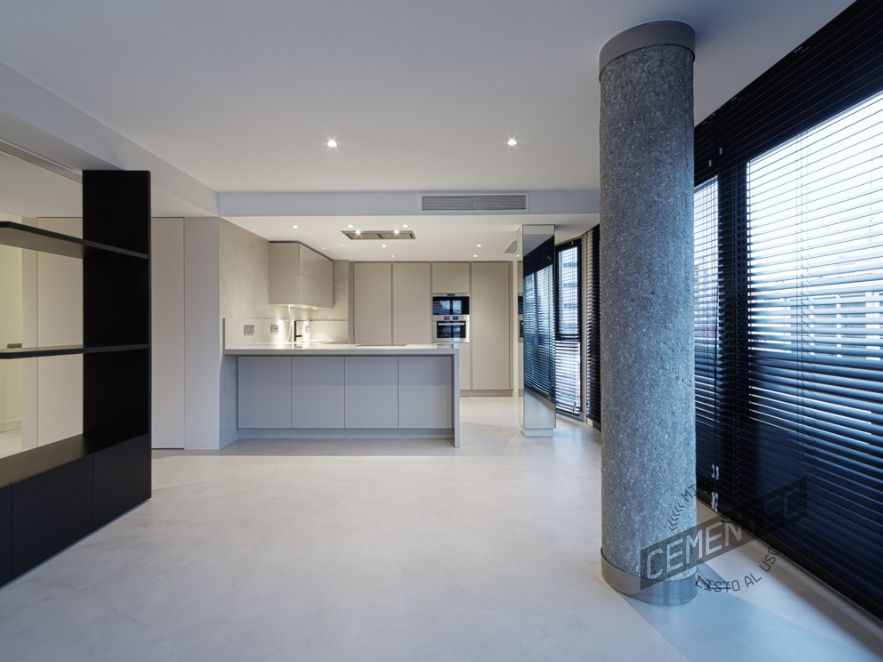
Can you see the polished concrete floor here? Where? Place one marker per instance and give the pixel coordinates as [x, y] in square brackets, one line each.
[396, 550]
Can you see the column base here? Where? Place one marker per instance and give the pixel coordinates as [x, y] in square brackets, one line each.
[670, 592]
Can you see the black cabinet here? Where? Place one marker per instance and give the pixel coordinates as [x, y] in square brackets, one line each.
[49, 512]
[5, 535]
[53, 495]
[122, 478]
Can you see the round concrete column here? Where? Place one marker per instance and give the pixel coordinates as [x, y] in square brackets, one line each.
[647, 410]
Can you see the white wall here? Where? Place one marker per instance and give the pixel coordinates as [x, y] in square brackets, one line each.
[167, 332]
[202, 333]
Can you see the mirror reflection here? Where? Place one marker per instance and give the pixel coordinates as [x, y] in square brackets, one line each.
[41, 305]
[536, 310]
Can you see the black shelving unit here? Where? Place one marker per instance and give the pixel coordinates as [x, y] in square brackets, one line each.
[53, 495]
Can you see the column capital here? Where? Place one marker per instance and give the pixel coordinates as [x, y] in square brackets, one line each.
[657, 33]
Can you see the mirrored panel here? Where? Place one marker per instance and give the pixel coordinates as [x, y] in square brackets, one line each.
[41, 307]
[536, 312]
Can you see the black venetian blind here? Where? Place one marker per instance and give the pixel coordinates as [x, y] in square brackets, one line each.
[592, 322]
[568, 340]
[539, 331]
[789, 300]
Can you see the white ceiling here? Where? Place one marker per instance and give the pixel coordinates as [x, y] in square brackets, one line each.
[436, 237]
[421, 94]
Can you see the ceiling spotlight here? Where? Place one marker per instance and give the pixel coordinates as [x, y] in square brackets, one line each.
[478, 245]
[396, 232]
[350, 226]
[383, 245]
[392, 255]
[405, 225]
[511, 142]
[331, 143]
[294, 227]
[357, 232]
[474, 256]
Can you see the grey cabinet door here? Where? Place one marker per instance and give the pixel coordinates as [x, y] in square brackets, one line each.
[372, 303]
[425, 391]
[450, 277]
[318, 391]
[411, 303]
[490, 326]
[264, 392]
[372, 392]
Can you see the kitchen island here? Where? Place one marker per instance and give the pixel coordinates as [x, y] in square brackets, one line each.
[319, 390]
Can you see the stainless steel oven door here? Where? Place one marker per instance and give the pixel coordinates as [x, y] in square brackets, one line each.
[451, 331]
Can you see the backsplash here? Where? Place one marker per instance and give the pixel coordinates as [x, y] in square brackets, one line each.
[265, 330]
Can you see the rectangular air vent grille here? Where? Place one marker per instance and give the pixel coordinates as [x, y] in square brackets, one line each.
[385, 235]
[475, 203]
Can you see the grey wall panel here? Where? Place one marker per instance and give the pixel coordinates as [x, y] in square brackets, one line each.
[372, 392]
[318, 391]
[264, 392]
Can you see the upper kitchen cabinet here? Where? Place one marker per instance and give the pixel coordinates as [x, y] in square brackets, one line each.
[299, 276]
[450, 277]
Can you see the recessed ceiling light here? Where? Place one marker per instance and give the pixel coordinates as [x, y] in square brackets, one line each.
[357, 232]
[405, 225]
[474, 256]
[383, 245]
[478, 245]
[351, 226]
[294, 227]
[331, 143]
[392, 255]
[512, 142]
[396, 232]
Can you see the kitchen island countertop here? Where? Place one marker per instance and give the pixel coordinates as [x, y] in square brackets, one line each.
[340, 349]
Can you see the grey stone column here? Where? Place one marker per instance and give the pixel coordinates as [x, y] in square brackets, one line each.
[647, 410]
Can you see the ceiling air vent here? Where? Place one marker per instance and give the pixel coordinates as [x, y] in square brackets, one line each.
[384, 235]
[475, 202]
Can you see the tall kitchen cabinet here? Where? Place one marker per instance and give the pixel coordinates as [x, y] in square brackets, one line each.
[490, 330]
[453, 277]
[411, 303]
[372, 303]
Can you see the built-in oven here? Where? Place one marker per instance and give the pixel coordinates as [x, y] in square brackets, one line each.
[450, 317]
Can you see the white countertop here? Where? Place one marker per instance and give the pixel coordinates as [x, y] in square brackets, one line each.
[331, 349]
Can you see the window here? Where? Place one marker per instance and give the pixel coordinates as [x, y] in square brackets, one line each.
[705, 319]
[815, 288]
[568, 350]
[788, 229]
[538, 331]
[592, 317]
